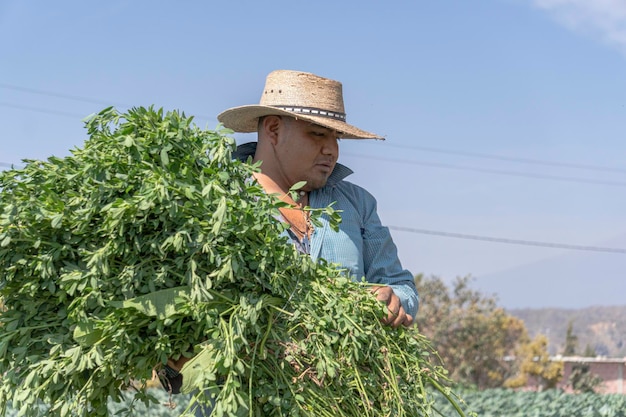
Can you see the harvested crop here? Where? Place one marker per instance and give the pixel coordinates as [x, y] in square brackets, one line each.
[150, 242]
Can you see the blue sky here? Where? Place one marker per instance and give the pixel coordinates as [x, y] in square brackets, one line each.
[463, 92]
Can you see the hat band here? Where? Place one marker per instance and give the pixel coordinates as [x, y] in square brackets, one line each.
[314, 112]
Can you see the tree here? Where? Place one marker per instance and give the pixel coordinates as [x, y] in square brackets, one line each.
[571, 340]
[589, 352]
[582, 380]
[474, 337]
[536, 366]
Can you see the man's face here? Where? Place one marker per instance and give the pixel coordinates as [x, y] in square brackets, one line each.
[306, 152]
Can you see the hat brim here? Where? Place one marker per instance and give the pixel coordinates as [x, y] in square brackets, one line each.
[244, 119]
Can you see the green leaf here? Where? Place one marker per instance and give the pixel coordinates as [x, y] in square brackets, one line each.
[219, 216]
[56, 220]
[199, 368]
[86, 334]
[165, 160]
[161, 304]
[297, 186]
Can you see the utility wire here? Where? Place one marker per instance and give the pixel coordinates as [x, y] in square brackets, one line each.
[59, 95]
[414, 147]
[68, 97]
[508, 241]
[508, 158]
[41, 110]
[489, 171]
[404, 161]
[490, 239]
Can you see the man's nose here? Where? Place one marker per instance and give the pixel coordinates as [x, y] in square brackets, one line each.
[331, 146]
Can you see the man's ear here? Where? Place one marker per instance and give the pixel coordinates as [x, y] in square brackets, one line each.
[270, 126]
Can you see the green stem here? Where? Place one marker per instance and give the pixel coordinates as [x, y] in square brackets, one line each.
[442, 390]
[361, 387]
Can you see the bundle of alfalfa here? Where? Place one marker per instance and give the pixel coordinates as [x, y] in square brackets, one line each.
[150, 242]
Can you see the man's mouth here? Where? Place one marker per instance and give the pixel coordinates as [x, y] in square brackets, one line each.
[325, 166]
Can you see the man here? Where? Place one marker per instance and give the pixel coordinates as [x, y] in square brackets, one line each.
[299, 120]
[298, 123]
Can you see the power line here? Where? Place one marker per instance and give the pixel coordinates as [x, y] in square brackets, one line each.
[508, 240]
[42, 110]
[487, 238]
[510, 159]
[414, 147]
[67, 97]
[58, 95]
[490, 171]
[420, 148]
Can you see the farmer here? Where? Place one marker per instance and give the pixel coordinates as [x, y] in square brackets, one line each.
[299, 121]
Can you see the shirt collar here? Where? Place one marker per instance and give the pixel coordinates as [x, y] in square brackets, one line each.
[246, 150]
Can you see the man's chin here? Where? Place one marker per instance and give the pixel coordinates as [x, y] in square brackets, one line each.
[312, 185]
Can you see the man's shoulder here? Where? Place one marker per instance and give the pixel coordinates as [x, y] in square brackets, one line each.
[353, 191]
[347, 185]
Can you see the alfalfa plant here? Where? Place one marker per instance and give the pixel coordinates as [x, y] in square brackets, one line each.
[150, 242]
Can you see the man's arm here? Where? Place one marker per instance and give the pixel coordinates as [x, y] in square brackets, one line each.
[382, 266]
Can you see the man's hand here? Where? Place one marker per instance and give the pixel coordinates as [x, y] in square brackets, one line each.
[396, 316]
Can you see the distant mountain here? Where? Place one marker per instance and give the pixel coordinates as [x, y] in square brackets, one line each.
[574, 280]
[602, 328]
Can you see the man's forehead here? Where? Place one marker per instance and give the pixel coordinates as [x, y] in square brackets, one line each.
[316, 126]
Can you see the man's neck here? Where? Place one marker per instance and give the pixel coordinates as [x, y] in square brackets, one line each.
[269, 185]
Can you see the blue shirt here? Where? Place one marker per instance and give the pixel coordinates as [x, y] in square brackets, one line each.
[362, 245]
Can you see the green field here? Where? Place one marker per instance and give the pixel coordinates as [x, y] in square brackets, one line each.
[489, 403]
[551, 403]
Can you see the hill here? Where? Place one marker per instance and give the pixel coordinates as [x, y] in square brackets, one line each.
[602, 328]
[573, 280]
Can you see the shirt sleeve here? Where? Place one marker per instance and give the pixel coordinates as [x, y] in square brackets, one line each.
[380, 258]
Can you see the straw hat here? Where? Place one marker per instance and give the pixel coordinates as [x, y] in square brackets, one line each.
[297, 94]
